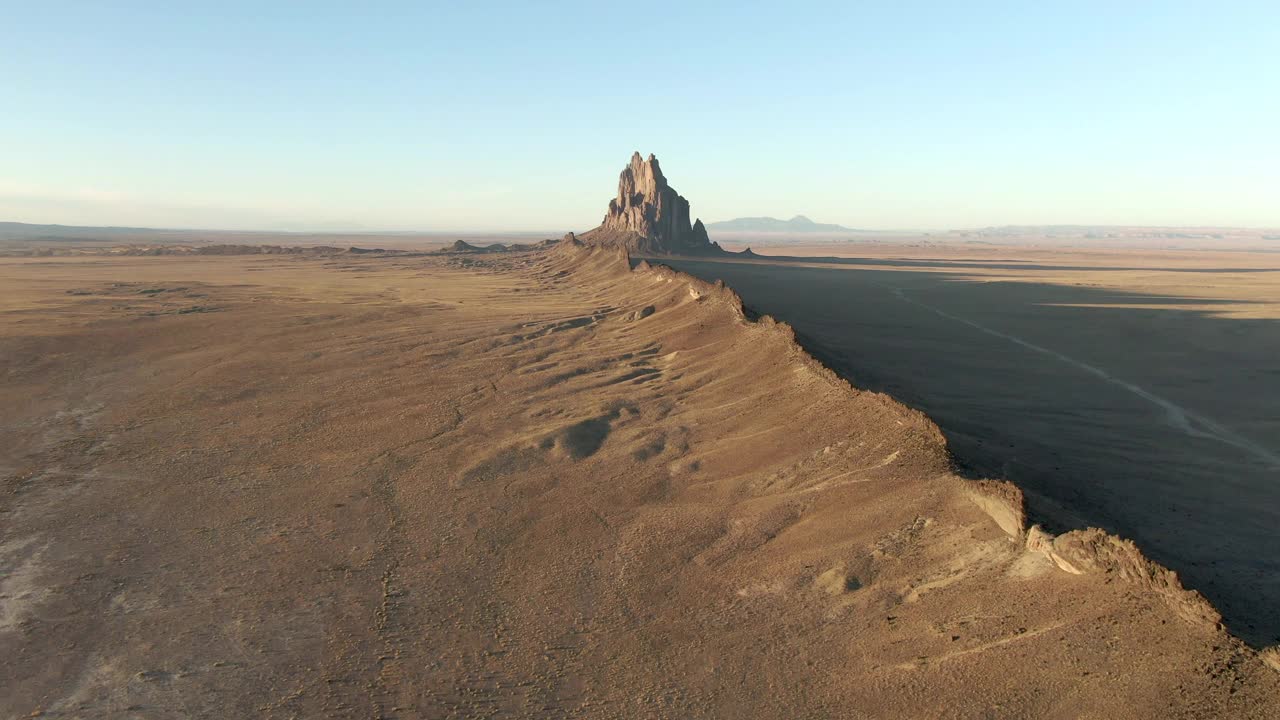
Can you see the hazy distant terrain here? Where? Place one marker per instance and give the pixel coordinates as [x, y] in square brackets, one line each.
[1069, 236]
[23, 237]
[733, 234]
[797, 224]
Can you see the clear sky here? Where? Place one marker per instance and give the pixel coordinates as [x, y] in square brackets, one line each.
[519, 115]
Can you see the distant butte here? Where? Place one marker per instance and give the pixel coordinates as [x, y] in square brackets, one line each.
[648, 217]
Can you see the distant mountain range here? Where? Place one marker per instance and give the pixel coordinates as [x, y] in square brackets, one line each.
[28, 231]
[797, 224]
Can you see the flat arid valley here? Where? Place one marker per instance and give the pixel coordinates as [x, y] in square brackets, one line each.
[560, 480]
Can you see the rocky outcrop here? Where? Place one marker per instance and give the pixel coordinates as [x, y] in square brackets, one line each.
[464, 247]
[1089, 551]
[648, 217]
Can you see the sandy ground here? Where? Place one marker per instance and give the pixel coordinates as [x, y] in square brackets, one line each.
[529, 486]
[1130, 390]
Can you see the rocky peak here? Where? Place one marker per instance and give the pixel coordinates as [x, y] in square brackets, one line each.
[649, 217]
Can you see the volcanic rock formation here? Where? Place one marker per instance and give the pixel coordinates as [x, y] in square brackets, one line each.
[648, 217]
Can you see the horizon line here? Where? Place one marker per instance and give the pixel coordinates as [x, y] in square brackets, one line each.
[482, 231]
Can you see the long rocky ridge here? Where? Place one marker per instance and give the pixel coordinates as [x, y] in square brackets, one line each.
[1088, 551]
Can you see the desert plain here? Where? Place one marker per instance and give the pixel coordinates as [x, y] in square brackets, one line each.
[537, 484]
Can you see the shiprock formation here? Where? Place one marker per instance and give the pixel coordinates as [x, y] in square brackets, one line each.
[648, 217]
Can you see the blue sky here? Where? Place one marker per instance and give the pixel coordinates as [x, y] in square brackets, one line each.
[506, 116]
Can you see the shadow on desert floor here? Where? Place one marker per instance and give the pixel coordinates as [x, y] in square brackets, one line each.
[1135, 413]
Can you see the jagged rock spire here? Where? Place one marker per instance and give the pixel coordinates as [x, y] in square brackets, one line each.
[649, 217]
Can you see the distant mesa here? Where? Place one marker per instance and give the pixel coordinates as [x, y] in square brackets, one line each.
[462, 246]
[648, 217]
[797, 224]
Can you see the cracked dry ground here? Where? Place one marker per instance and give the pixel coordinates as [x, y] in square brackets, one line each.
[502, 487]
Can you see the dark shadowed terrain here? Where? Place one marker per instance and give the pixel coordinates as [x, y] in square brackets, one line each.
[1132, 394]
